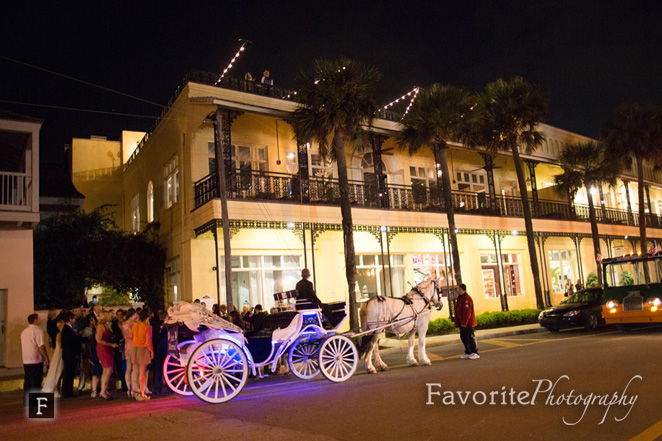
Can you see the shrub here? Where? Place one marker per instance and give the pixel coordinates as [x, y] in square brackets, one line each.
[592, 280]
[441, 326]
[488, 320]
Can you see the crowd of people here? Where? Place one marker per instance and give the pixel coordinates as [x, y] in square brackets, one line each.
[95, 346]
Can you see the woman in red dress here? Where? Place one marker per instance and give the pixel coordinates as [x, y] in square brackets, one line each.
[105, 351]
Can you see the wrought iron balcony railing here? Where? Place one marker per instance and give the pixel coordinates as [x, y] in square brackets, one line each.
[251, 185]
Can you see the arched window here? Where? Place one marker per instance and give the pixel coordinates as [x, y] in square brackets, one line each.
[150, 202]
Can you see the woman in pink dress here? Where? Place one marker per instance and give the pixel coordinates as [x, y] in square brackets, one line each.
[105, 351]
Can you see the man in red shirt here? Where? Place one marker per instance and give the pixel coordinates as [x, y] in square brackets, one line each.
[465, 319]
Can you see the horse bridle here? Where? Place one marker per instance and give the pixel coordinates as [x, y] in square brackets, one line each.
[427, 302]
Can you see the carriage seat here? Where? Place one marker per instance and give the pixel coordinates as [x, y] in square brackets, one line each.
[276, 327]
[303, 304]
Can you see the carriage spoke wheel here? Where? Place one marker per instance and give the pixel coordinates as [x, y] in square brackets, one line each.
[338, 358]
[303, 358]
[217, 371]
[175, 375]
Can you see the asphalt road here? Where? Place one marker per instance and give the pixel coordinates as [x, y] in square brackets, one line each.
[483, 399]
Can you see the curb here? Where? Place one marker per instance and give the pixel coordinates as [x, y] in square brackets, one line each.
[456, 339]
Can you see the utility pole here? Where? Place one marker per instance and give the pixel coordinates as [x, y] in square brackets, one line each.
[217, 118]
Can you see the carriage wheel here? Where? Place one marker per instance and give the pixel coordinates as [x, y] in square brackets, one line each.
[175, 375]
[338, 358]
[217, 371]
[304, 358]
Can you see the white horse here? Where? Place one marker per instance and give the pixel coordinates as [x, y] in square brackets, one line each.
[409, 314]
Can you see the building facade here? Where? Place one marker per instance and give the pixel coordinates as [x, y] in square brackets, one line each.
[284, 213]
[19, 214]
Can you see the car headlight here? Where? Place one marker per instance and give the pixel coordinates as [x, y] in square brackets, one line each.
[572, 313]
[612, 304]
[541, 315]
[654, 301]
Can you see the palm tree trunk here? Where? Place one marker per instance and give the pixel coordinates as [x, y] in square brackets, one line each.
[594, 231]
[535, 270]
[347, 226]
[642, 214]
[450, 211]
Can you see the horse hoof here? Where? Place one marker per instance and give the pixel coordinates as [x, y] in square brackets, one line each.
[383, 368]
[427, 363]
[371, 370]
[413, 363]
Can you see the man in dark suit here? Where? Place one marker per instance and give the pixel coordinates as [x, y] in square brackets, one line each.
[71, 349]
[257, 318]
[307, 292]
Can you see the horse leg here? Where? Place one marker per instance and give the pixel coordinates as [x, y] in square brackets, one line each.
[422, 356]
[378, 359]
[410, 354]
[368, 355]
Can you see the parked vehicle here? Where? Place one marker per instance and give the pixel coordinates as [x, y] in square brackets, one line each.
[584, 308]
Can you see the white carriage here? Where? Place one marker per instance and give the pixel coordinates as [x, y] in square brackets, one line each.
[212, 358]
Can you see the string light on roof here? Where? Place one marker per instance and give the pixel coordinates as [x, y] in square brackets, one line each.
[416, 89]
[412, 93]
[241, 49]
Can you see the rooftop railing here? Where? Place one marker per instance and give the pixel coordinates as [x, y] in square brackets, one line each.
[270, 186]
[232, 83]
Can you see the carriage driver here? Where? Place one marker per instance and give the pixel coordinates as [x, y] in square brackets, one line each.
[306, 291]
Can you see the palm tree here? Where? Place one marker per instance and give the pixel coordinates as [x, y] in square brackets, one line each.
[637, 136]
[588, 164]
[336, 104]
[441, 114]
[511, 111]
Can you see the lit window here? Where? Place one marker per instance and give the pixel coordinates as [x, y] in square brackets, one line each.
[150, 202]
[135, 214]
[171, 182]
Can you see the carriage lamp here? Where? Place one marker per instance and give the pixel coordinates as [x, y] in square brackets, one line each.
[612, 304]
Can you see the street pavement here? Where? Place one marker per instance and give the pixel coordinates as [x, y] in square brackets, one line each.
[391, 405]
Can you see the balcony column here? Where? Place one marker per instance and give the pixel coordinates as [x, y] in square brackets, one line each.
[602, 203]
[653, 219]
[376, 142]
[534, 186]
[440, 181]
[627, 197]
[304, 170]
[489, 168]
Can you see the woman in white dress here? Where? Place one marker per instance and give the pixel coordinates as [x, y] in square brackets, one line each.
[56, 365]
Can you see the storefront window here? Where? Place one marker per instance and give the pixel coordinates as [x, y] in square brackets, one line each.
[432, 266]
[512, 278]
[370, 280]
[562, 267]
[255, 279]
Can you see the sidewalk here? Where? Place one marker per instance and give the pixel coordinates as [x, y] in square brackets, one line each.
[12, 379]
[394, 345]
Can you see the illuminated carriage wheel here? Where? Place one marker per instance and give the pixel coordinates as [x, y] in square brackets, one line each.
[175, 375]
[338, 358]
[217, 371]
[303, 358]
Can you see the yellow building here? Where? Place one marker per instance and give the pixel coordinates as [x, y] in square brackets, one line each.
[19, 214]
[284, 213]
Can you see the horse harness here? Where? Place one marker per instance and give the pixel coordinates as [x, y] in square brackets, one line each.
[406, 301]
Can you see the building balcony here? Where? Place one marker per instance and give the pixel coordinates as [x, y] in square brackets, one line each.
[261, 186]
[15, 191]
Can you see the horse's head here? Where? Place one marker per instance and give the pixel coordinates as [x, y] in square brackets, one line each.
[430, 291]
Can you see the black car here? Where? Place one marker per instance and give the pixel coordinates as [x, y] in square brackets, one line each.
[584, 308]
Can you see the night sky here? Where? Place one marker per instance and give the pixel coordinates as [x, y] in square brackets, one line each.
[591, 56]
